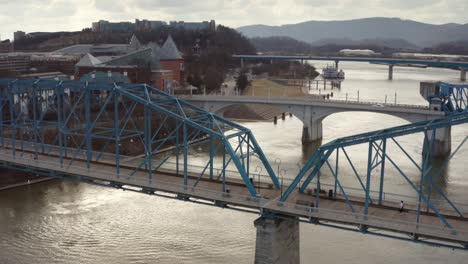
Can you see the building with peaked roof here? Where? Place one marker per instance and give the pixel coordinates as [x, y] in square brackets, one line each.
[171, 59]
[158, 66]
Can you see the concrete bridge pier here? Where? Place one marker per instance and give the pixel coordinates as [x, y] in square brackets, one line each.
[337, 62]
[277, 240]
[390, 72]
[242, 63]
[312, 127]
[463, 74]
[442, 146]
[312, 132]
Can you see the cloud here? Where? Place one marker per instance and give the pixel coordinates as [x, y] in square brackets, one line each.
[54, 15]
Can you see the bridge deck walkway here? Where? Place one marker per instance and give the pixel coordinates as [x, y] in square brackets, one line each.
[386, 218]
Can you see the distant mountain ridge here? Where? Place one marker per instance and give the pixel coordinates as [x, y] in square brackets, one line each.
[377, 28]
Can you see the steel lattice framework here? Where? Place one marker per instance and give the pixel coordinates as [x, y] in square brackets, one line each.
[454, 97]
[378, 156]
[86, 121]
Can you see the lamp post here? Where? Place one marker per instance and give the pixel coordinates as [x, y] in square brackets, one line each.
[278, 163]
[282, 174]
[259, 169]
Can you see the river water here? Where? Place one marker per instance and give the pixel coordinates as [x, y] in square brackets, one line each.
[65, 222]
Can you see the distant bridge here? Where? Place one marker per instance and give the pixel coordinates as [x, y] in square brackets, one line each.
[90, 126]
[311, 111]
[391, 62]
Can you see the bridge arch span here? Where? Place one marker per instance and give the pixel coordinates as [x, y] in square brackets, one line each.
[221, 109]
[312, 113]
[312, 121]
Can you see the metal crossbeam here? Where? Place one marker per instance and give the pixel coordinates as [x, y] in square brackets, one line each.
[84, 121]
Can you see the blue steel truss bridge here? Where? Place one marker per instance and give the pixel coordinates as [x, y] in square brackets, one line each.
[135, 137]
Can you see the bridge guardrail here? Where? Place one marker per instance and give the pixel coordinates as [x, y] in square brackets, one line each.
[313, 99]
[230, 174]
[252, 202]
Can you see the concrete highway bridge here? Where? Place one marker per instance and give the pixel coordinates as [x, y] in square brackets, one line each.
[462, 66]
[90, 128]
[312, 111]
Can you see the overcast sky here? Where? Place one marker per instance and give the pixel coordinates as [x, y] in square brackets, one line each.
[70, 15]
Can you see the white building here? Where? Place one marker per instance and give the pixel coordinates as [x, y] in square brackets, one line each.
[358, 52]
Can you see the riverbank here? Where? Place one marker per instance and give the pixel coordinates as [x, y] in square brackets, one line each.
[264, 88]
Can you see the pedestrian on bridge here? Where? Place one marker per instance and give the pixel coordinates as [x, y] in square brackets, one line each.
[401, 206]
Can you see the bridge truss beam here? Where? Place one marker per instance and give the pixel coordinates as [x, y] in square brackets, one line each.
[127, 125]
[379, 156]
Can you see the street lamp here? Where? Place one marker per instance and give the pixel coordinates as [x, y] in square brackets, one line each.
[259, 169]
[282, 174]
[278, 162]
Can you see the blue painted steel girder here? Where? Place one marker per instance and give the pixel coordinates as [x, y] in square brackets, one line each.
[82, 114]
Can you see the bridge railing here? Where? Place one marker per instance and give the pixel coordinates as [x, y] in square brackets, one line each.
[257, 178]
[257, 203]
[306, 99]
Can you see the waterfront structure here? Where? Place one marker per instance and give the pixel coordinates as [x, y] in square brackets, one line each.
[15, 62]
[161, 67]
[89, 150]
[358, 52]
[312, 111]
[462, 66]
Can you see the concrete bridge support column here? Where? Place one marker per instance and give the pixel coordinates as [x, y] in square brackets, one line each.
[242, 63]
[337, 62]
[462, 74]
[277, 241]
[442, 146]
[312, 129]
[312, 132]
[390, 72]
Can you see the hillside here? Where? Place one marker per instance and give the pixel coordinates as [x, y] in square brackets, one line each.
[281, 44]
[207, 54]
[420, 34]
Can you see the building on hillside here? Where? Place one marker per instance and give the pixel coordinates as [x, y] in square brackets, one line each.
[6, 46]
[148, 25]
[211, 25]
[106, 26]
[19, 35]
[161, 67]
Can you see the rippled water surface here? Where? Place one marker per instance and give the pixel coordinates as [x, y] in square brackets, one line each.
[65, 222]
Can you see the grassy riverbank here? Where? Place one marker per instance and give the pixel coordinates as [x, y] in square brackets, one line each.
[263, 87]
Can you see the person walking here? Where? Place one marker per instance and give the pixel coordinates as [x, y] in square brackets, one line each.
[401, 206]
